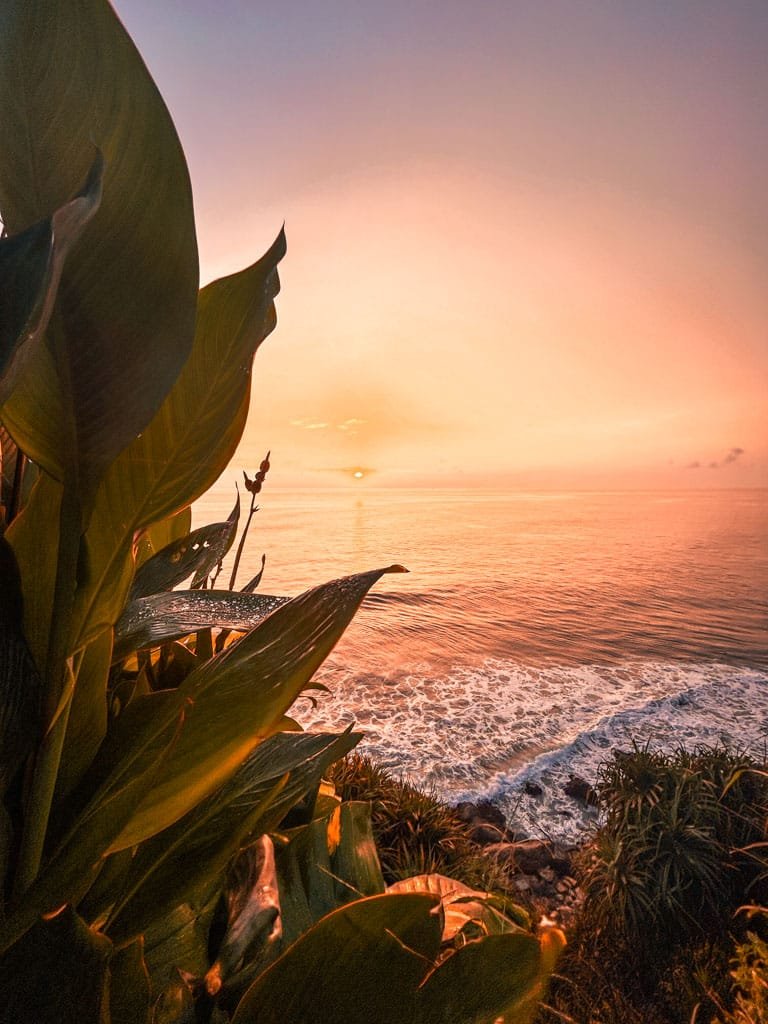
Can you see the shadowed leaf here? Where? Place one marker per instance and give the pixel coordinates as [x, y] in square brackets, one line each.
[363, 962]
[20, 683]
[240, 696]
[180, 863]
[151, 621]
[196, 553]
[129, 991]
[155, 537]
[123, 321]
[41, 984]
[483, 982]
[30, 268]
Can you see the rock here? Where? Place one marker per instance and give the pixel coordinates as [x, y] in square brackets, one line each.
[547, 874]
[532, 788]
[522, 884]
[488, 824]
[531, 854]
[466, 811]
[561, 862]
[484, 835]
[490, 814]
[580, 789]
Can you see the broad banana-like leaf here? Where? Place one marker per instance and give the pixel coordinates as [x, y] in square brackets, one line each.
[192, 438]
[355, 862]
[129, 989]
[178, 865]
[154, 620]
[220, 545]
[37, 561]
[155, 537]
[123, 321]
[363, 962]
[68, 874]
[239, 697]
[196, 553]
[87, 723]
[497, 978]
[330, 861]
[16, 482]
[465, 910]
[180, 941]
[30, 268]
[56, 974]
[20, 682]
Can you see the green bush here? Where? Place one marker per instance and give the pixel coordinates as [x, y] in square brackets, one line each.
[679, 851]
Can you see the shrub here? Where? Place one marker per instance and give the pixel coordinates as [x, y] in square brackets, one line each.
[663, 878]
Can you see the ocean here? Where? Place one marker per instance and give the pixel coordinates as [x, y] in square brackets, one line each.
[534, 633]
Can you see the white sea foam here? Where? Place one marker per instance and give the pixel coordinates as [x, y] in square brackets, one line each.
[484, 731]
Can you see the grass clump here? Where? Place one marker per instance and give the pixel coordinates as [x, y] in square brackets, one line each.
[679, 851]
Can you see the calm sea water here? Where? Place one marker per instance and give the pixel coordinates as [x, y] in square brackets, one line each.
[535, 632]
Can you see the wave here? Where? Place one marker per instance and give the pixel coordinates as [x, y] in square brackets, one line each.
[486, 730]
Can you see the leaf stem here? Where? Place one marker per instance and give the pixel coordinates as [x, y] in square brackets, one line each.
[241, 545]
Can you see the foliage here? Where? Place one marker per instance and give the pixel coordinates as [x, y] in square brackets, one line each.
[416, 833]
[750, 979]
[140, 763]
[680, 848]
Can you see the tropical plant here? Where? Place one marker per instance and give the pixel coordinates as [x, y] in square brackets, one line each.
[681, 845]
[135, 769]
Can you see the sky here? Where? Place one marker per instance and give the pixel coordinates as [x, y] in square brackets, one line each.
[527, 240]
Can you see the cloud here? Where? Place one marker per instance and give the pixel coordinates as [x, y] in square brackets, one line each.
[308, 425]
[350, 426]
[733, 455]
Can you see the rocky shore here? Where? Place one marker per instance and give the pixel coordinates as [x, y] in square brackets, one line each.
[537, 872]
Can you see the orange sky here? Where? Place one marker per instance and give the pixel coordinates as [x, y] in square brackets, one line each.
[527, 242]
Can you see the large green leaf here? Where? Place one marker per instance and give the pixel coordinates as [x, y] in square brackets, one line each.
[178, 864]
[30, 268]
[87, 723]
[468, 912]
[20, 683]
[37, 561]
[484, 982]
[151, 621]
[330, 861]
[198, 553]
[56, 974]
[155, 537]
[189, 442]
[123, 323]
[129, 990]
[363, 962]
[72, 868]
[240, 697]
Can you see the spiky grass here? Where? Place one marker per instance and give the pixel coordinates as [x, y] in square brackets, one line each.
[682, 844]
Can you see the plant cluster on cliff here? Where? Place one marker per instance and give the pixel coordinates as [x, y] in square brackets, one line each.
[168, 849]
[680, 852]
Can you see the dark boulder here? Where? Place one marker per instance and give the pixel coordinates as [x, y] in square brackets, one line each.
[580, 789]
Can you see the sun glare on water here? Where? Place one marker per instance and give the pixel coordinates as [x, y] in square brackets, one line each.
[358, 474]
